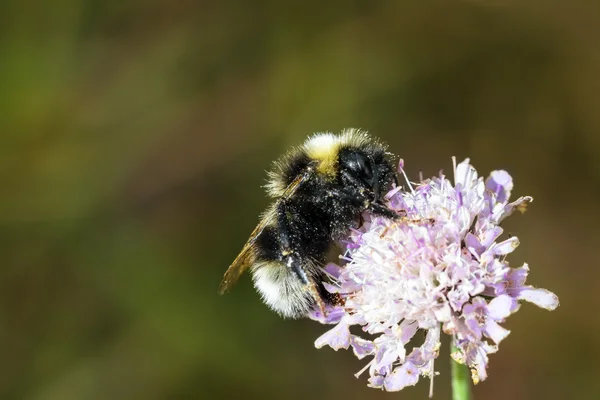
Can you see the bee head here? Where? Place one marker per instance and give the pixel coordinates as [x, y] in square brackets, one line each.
[366, 168]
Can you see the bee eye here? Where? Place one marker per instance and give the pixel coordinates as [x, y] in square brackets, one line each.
[365, 166]
[359, 164]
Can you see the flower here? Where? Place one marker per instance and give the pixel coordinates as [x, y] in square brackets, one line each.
[440, 268]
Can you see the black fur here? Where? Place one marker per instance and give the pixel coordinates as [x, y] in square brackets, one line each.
[294, 166]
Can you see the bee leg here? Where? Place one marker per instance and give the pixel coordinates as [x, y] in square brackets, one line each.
[291, 256]
[356, 198]
[293, 263]
[373, 204]
[360, 185]
[359, 199]
[283, 223]
[312, 288]
[380, 209]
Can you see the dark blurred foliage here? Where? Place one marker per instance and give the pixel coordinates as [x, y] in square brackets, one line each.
[134, 139]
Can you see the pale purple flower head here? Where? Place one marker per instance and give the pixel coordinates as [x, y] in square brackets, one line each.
[441, 267]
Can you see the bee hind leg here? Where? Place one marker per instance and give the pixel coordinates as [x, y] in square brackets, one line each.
[312, 288]
[291, 257]
[294, 264]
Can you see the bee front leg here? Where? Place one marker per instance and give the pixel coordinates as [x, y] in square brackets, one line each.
[380, 209]
[358, 198]
[354, 181]
[354, 197]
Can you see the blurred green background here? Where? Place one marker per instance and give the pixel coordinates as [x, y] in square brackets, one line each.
[134, 139]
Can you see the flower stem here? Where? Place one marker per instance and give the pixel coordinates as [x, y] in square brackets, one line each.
[461, 388]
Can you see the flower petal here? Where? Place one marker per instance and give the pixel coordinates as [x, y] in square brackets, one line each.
[501, 184]
[332, 288]
[495, 331]
[505, 247]
[490, 235]
[333, 269]
[540, 297]
[502, 306]
[465, 174]
[431, 346]
[473, 244]
[407, 330]
[474, 328]
[336, 338]
[519, 204]
[333, 315]
[405, 375]
[376, 381]
[361, 347]
[443, 313]
[385, 357]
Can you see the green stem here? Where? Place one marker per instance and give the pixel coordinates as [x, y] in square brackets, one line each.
[461, 386]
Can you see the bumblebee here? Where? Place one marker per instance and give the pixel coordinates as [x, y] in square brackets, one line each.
[320, 191]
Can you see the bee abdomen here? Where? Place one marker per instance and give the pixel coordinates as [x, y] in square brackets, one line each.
[267, 245]
[280, 290]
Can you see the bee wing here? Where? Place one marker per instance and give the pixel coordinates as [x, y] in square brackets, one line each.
[246, 257]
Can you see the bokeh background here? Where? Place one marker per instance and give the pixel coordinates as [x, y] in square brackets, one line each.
[134, 136]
